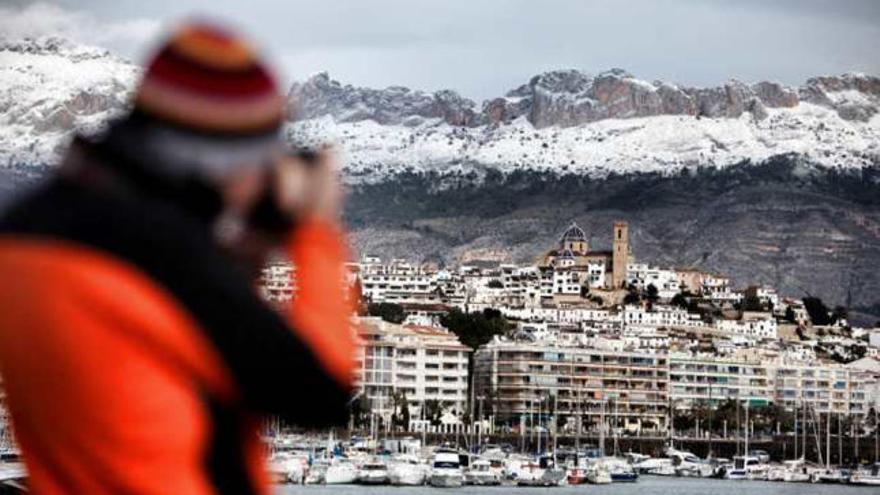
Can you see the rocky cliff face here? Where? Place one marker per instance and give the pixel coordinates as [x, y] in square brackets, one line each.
[568, 98]
[395, 105]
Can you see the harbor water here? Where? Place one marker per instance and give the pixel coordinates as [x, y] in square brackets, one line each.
[647, 485]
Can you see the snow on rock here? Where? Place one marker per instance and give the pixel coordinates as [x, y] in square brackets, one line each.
[663, 143]
[51, 87]
[560, 121]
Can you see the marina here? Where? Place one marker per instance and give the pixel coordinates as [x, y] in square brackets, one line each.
[406, 462]
[647, 485]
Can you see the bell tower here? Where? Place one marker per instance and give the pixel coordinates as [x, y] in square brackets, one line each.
[620, 254]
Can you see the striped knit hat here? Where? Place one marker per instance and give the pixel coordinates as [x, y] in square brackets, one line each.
[206, 104]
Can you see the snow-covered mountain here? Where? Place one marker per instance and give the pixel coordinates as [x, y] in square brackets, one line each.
[50, 87]
[560, 122]
[569, 122]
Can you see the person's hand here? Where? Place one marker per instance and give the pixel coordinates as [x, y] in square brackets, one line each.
[309, 190]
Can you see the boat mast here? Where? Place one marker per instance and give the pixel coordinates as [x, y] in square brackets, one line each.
[616, 428]
[540, 423]
[580, 418]
[532, 422]
[828, 439]
[602, 427]
[746, 450]
[738, 426]
[555, 423]
[711, 415]
[804, 428]
[817, 426]
[795, 430]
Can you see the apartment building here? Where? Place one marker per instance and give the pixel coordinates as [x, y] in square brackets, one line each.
[827, 388]
[660, 316]
[751, 324]
[397, 281]
[278, 282]
[824, 387]
[422, 363]
[519, 378]
[642, 275]
[713, 379]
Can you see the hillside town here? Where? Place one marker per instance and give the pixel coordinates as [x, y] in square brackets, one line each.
[584, 334]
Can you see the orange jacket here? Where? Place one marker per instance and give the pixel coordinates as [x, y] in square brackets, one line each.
[137, 358]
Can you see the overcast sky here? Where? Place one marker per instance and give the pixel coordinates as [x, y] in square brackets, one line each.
[483, 48]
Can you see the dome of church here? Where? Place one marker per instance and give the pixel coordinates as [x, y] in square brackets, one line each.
[574, 234]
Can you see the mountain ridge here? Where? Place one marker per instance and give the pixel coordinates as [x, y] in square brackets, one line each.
[570, 97]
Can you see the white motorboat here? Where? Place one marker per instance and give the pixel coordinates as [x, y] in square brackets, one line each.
[656, 467]
[620, 470]
[686, 464]
[832, 476]
[790, 471]
[597, 474]
[528, 473]
[866, 477]
[635, 458]
[286, 467]
[446, 470]
[341, 472]
[676, 463]
[481, 473]
[407, 470]
[374, 472]
[746, 468]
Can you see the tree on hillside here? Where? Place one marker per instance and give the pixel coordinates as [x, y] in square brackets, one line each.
[789, 315]
[840, 313]
[632, 295]
[651, 293]
[475, 329]
[680, 300]
[752, 303]
[817, 310]
[390, 312]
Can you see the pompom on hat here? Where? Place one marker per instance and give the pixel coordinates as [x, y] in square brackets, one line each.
[206, 104]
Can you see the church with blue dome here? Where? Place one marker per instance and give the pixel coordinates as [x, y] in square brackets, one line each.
[604, 269]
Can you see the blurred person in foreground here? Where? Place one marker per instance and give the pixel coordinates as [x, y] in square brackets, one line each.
[137, 355]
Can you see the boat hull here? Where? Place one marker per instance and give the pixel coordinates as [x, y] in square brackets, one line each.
[624, 477]
[445, 481]
[863, 481]
[373, 480]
